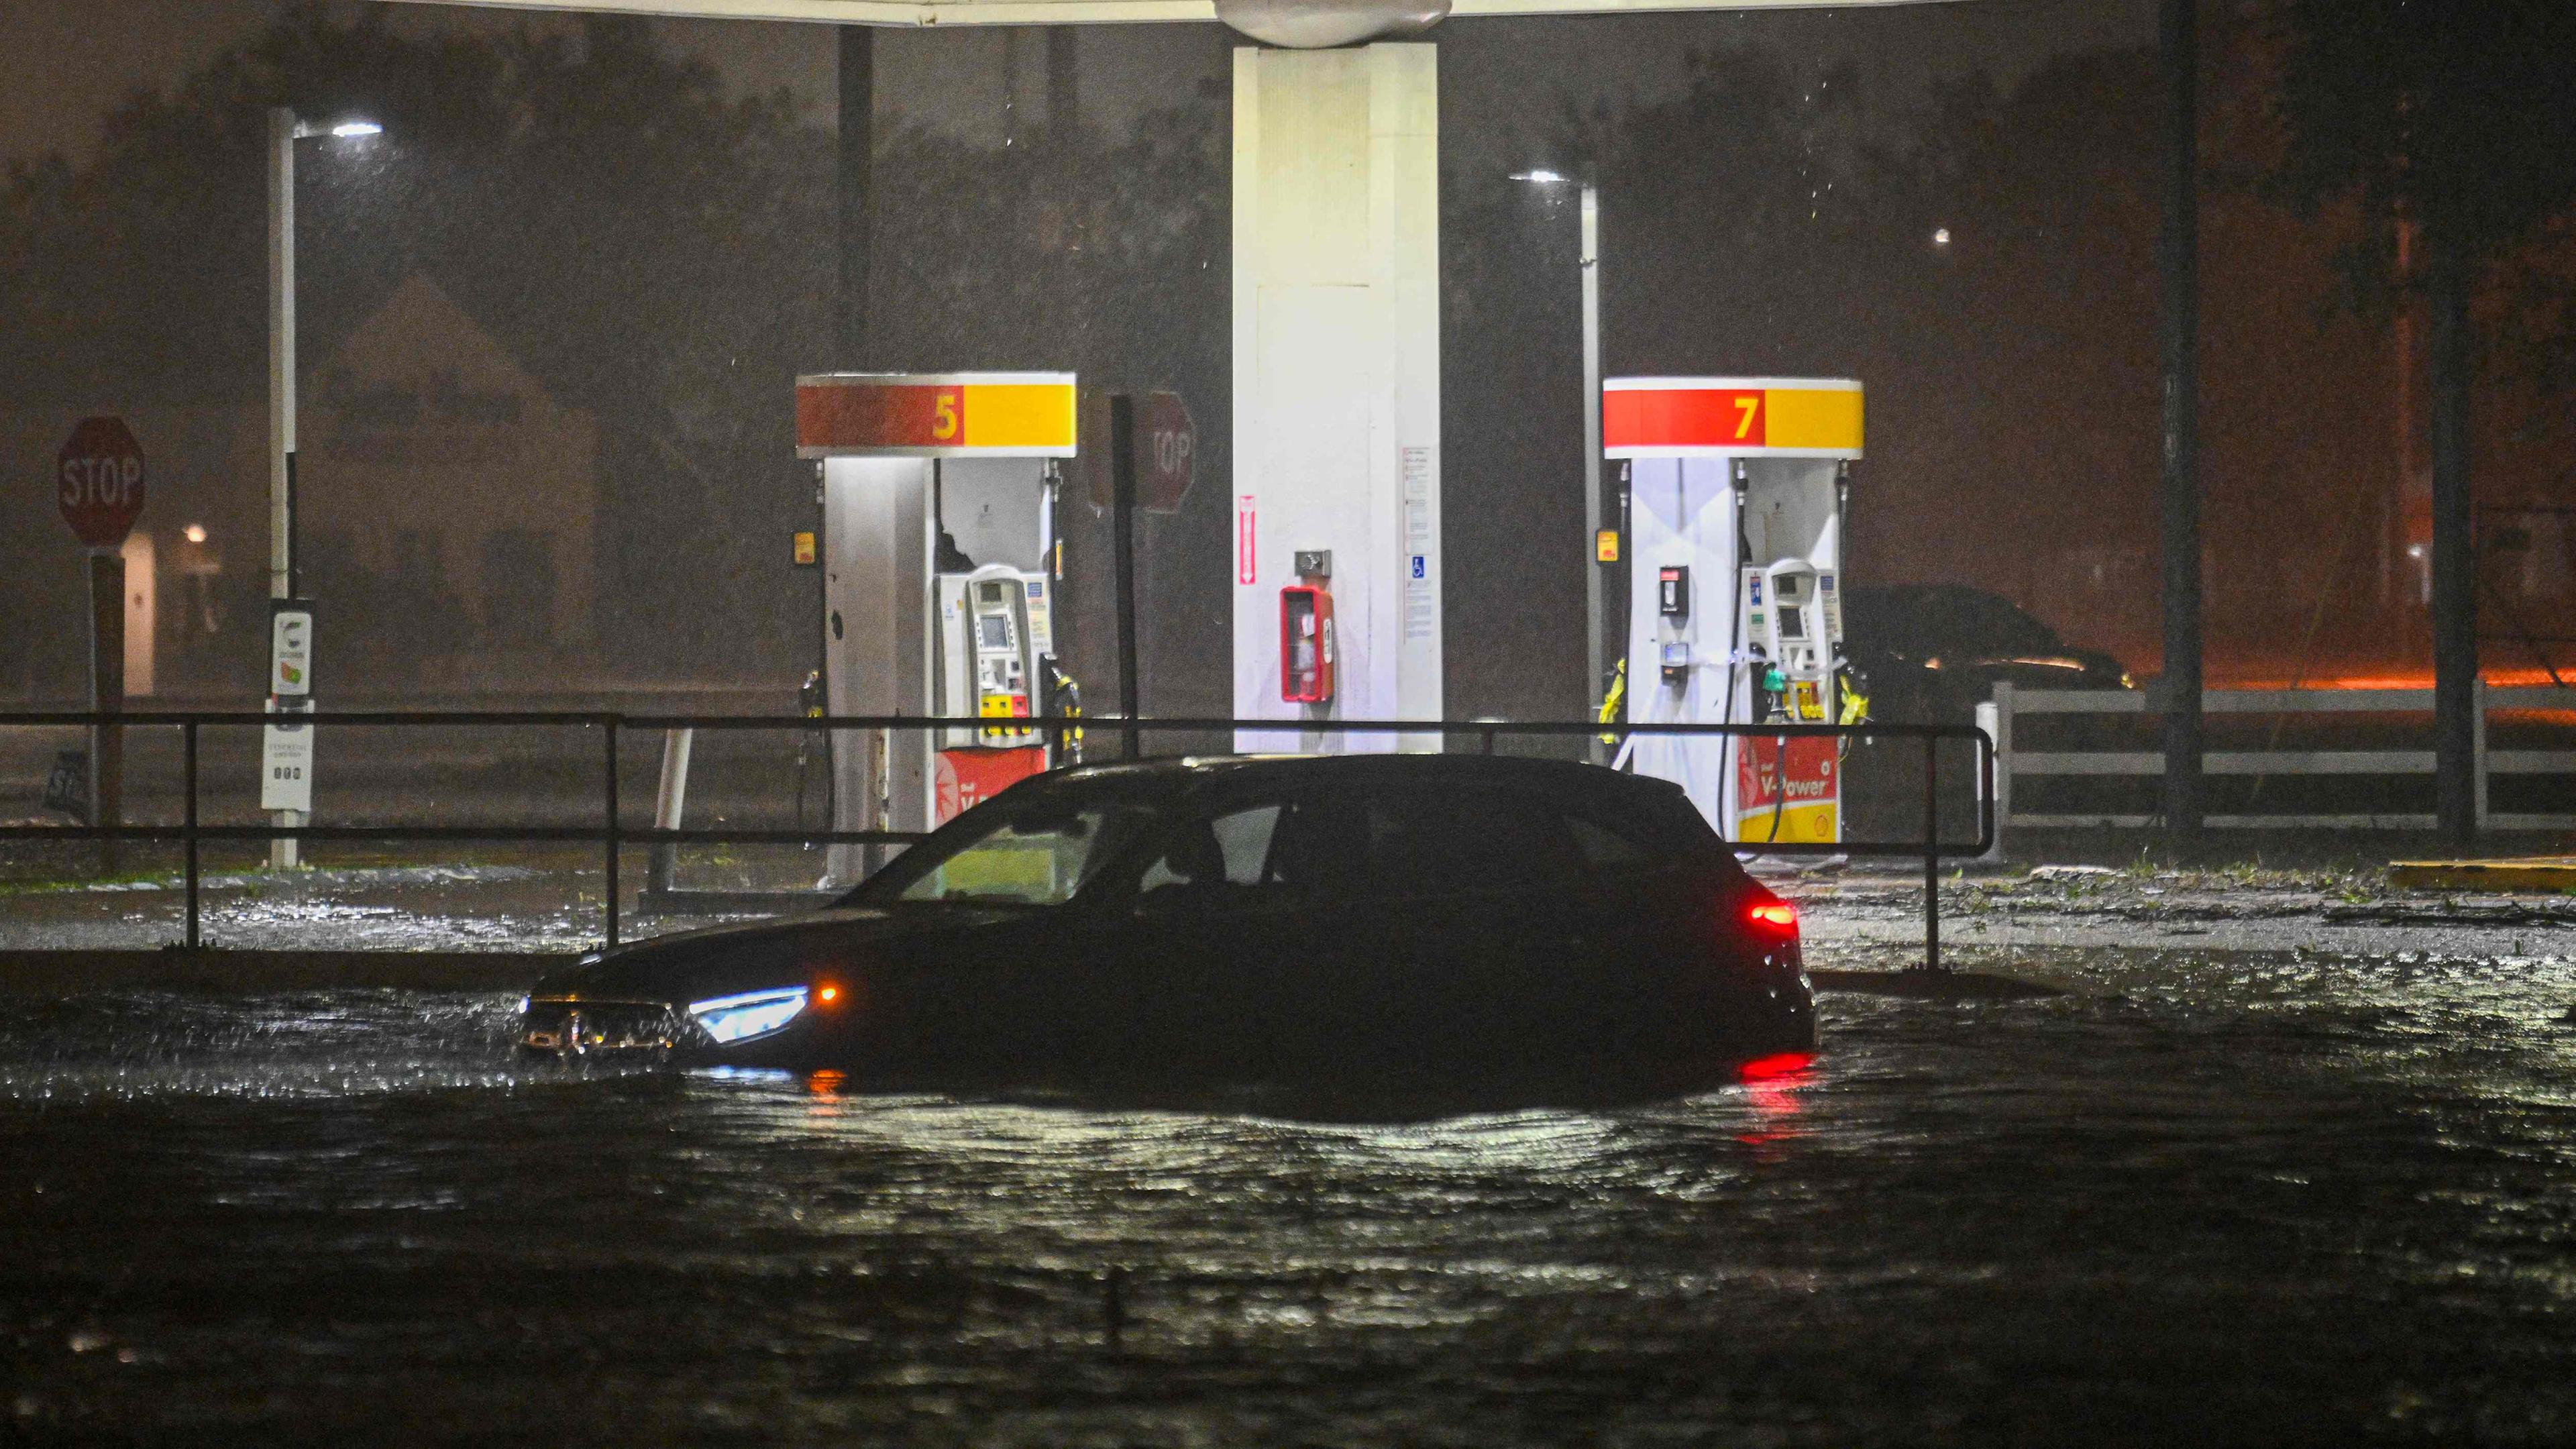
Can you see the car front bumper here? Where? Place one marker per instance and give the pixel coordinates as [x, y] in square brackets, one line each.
[572, 1027]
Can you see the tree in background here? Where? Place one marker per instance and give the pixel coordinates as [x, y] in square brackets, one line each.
[2455, 124]
[656, 253]
[1734, 237]
[1110, 258]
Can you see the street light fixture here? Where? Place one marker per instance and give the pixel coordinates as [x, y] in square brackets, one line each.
[1589, 260]
[284, 130]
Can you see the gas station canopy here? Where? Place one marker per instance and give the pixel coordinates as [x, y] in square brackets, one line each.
[1089, 12]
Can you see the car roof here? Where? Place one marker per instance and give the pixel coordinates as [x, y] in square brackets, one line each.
[1192, 774]
[1948, 614]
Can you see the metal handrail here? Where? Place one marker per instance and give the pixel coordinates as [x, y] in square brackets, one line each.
[613, 835]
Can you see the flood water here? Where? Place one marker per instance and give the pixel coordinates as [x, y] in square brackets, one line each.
[2203, 1199]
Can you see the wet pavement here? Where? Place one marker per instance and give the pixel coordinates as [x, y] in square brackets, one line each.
[546, 906]
[541, 901]
[2218, 1192]
[2002, 916]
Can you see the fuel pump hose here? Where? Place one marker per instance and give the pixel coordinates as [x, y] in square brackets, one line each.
[1613, 698]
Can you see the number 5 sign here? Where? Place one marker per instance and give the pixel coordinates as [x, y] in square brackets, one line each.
[935, 415]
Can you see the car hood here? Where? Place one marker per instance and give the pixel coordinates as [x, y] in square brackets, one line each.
[720, 960]
[2063, 668]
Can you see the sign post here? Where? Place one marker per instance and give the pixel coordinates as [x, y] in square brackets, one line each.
[99, 480]
[1122, 490]
[1148, 464]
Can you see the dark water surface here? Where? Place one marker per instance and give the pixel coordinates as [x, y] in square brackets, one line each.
[2252, 1200]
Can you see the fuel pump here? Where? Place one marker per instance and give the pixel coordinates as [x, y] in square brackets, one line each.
[994, 643]
[1737, 486]
[940, 578]
[1803, 630]
[994, 623]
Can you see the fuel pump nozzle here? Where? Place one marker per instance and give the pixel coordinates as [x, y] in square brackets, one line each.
[1771, 684]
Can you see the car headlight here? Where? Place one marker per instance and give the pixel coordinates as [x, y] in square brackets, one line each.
[753, 1013]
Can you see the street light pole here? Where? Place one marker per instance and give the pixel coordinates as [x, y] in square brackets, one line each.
[284, 130]
[1590, 261]
[281, 396]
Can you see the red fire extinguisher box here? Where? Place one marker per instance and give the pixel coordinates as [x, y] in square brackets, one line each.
[1305, 644]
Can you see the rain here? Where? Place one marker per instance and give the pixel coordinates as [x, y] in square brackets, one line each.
[575, 633]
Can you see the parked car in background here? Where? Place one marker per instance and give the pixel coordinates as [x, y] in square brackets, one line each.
[1933, 652]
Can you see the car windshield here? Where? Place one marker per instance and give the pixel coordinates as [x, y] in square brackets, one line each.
[1040, 855]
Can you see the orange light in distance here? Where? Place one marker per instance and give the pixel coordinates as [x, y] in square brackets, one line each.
[828, 994]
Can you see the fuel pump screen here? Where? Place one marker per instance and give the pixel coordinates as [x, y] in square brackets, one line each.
[996, 631]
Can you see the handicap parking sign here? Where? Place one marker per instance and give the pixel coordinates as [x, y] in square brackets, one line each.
[1417, 566]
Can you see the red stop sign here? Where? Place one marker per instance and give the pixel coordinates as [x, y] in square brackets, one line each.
[100, 475]
[1166, 450]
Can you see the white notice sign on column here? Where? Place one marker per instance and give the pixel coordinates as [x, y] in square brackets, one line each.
[1420, 615]
[286, 767]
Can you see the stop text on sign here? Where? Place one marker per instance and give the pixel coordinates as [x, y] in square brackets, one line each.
[1171, 450]
[102, 482]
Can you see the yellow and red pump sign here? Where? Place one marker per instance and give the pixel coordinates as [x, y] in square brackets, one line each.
[935, 415]
[1784, 788]
[1738, 417]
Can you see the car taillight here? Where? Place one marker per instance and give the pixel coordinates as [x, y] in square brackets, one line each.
[1773, 915]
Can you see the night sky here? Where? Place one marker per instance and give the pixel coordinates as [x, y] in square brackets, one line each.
[60, 59]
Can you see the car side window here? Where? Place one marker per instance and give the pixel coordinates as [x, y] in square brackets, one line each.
[1244, 837]
[1465, 841]
[1621, 840]
[1231, 849]
[1606, 850]
[1319, 849]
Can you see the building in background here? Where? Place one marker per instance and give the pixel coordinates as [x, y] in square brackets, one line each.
[441, 484]
[447, 518]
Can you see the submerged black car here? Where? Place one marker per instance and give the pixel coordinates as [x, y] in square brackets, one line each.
[1236, 925]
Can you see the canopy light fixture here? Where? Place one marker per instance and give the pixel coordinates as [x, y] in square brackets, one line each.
[1324, 24]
